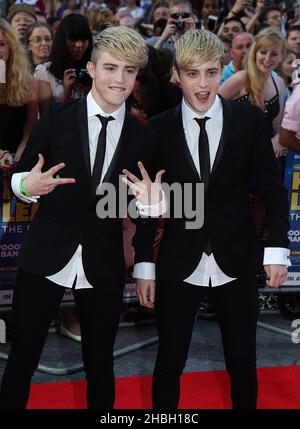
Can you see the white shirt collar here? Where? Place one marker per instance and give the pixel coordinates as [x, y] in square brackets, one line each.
[94, 109]
[188, 114]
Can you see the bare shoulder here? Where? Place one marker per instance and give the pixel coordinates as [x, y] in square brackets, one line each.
[234, 86]
[240, 76]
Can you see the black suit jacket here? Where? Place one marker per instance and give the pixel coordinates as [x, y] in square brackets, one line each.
[244, 152]
[67, 216]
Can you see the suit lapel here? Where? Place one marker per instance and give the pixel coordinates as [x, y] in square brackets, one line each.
[124, 137]
[180, 136]
[227, 117]
[84, 133]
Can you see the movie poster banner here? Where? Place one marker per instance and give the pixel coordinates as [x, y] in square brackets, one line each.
[15, 218]
[292, 183]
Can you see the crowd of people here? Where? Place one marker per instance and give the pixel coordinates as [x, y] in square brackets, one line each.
[45, 49]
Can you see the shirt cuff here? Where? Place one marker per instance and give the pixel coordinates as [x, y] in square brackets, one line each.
[277, 256]
[155, 210]
[144, 270]
[15, 185]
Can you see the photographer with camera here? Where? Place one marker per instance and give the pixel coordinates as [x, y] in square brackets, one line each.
[180, 20]
[231, 21]
[64, 77]
[210, 12]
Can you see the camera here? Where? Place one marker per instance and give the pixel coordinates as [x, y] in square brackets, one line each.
[83, 77]
[179, 25]
[81, 73]
[290, 14]
[212, 22]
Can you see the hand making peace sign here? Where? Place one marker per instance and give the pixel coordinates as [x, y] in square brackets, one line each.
[146, 191]
[38, 183]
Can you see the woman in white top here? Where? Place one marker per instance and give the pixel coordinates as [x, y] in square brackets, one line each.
[64, 77]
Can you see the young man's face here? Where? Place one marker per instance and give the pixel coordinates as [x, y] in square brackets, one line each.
[210, 7]
[273, 19]
[200, 83]
[160, 13]
[293, 41]
[20, 22]
[240, 46]
[113, 81]
[232, 28]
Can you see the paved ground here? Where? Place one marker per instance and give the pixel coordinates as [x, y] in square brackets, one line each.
[205, 352]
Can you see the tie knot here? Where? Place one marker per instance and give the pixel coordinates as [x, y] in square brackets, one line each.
[104, 120]
[202, 121]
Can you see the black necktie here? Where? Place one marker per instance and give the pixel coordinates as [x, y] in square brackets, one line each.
[204, 161]
[100, 152]
[203, 148]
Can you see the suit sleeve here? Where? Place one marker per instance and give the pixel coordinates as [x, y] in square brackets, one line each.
[271, 185]
[146, 226]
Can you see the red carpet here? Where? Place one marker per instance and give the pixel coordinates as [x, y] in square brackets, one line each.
[279, 389]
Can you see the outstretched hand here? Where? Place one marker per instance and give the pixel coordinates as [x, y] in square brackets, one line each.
[38, 183]
[146, 191]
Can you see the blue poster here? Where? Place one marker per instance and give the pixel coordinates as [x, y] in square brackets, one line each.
[292, 183]
[15, 218]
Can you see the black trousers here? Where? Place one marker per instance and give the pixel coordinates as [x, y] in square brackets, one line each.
[35, 301]
[236, 305]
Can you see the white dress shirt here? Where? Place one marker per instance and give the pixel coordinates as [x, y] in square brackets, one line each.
[74, 268]
[208, 272]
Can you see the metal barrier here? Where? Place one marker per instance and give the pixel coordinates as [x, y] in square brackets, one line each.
[129, 296]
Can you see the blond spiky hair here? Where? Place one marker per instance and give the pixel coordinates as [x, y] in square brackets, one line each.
[197, 46]
[123, 43]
